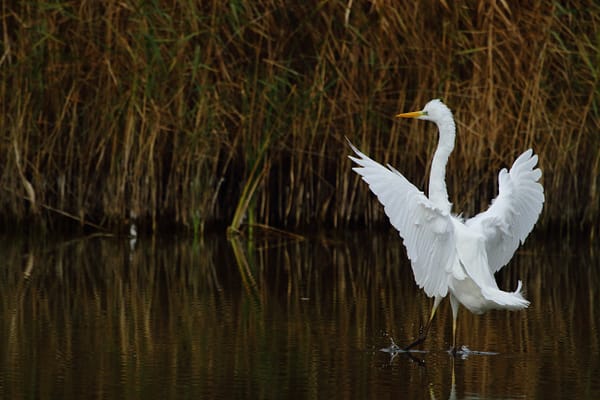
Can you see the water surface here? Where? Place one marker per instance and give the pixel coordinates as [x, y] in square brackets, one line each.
[163, 318]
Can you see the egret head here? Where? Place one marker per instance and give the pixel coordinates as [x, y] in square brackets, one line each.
[434, 111]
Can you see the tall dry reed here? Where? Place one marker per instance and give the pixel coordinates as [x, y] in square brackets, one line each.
[201, 112]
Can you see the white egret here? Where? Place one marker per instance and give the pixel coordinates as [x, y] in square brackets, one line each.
[450, 255]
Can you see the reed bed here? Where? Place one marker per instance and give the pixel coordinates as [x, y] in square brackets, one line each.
[194, 113]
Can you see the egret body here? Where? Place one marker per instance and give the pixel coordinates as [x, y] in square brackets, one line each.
[450, 255]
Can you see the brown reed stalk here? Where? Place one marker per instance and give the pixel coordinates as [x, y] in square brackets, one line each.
[160, 111]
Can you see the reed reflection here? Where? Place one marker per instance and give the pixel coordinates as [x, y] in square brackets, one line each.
[279, 317]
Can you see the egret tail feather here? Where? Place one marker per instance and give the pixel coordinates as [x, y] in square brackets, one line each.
[506, 300]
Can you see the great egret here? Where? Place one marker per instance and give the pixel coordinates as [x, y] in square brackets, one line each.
[449, 254]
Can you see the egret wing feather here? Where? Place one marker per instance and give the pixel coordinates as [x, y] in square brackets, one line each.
[513, 213]
[426, 230]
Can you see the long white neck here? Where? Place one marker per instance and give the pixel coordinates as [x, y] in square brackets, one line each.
[438, 193]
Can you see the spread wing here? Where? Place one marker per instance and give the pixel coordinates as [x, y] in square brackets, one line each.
[510, 218]
[427, 231]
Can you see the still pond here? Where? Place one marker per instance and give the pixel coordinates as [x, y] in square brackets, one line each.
[175, 318]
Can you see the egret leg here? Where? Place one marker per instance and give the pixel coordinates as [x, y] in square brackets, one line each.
[454, 304]
[425, 331]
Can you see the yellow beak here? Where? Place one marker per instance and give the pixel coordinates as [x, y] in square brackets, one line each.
[414, 114]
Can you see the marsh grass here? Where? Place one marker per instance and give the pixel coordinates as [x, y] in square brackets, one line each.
[194, 113]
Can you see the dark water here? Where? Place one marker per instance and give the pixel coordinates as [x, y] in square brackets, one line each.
[281, 318]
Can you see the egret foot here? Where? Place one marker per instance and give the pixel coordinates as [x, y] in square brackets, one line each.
[422, 336]
[419, 340]
[423, 331]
